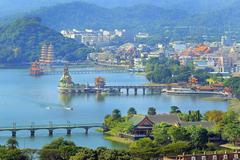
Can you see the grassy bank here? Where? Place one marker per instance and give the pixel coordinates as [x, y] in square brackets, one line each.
[217, 99]
[234, 105]
[118, 139]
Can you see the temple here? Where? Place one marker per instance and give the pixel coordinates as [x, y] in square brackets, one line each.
[66, 79]
[35, 69]
[47, 54]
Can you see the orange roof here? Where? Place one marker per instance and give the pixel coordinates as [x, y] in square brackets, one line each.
[201, 48]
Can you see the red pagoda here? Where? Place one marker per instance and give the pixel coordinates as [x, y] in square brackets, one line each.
[35, 69]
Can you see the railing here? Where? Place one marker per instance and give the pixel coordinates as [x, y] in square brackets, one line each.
[50, 126]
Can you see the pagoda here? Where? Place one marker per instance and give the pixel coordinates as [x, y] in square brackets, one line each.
[43, 54]
[36, 69]
[66, 79]
[50, 54]
[47, 54]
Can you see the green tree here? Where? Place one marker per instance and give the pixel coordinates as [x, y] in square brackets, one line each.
[214, 116]
[198, 137]
[176, 148]
[152, 111]
[231, 132]
[12, 143]
[132, 111]
[85, 154]
[178, 134]
[161, 135]
[116, 114]
[12, 154]
[175, 110]
[144, 149]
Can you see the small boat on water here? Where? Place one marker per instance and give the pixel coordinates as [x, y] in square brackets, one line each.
[192, 91]
[68, 108]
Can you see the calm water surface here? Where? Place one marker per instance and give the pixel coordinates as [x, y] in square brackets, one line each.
[25, 99]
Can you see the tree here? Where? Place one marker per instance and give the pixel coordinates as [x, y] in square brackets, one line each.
[132, 111]
[57, 150]
[176, 148]
[214, 116]
[175, 110]
[116, 114]
[194, 116]
[144, 148]
[152, 111]
[160, 134]
[12, 154]
[231, 132]
[178, 134]
[198, 137]
[12, 143]
[85, 154]
[234, 84]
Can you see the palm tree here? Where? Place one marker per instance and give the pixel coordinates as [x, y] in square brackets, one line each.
[12, 143]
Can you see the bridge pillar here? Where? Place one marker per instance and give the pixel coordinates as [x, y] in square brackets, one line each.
[86, 130]
[50, 132]
[69, 132]
[144, 91]
[14, 133]
[135, 91]
[127, 91]
[32, 132]
[152, 90]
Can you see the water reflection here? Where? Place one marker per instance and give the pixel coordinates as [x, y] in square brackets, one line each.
[65, 99]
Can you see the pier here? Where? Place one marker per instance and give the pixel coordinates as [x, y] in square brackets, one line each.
[50, 128]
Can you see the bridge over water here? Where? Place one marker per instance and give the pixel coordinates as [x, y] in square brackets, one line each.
[74, 72]
[119, 88]
[50, 128]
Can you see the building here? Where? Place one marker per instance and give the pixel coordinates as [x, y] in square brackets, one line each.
[93, 37]
[143, 125]
[46, 54]
[208, 156]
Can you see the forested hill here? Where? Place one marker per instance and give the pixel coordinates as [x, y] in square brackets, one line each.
[84, 15]
[20, 42]
[136, 18]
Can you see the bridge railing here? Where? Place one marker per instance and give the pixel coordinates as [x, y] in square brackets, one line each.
[51, 125]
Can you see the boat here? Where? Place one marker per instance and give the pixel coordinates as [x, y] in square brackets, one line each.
[191, 91]
[68, 108]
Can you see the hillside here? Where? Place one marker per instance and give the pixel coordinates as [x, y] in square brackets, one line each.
[145, 17]
[84, 15]
[186, 5]
[21, 40]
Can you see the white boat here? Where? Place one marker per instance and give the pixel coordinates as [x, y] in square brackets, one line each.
[190, 91]
[68, 108]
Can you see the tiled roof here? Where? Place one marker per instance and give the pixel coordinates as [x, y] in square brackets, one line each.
[164, 118]
[136, 119]
[204, 124]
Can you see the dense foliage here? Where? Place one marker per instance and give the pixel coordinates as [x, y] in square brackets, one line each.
[234, 84]
[21, 40]
[166, 21]
[167, 70]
